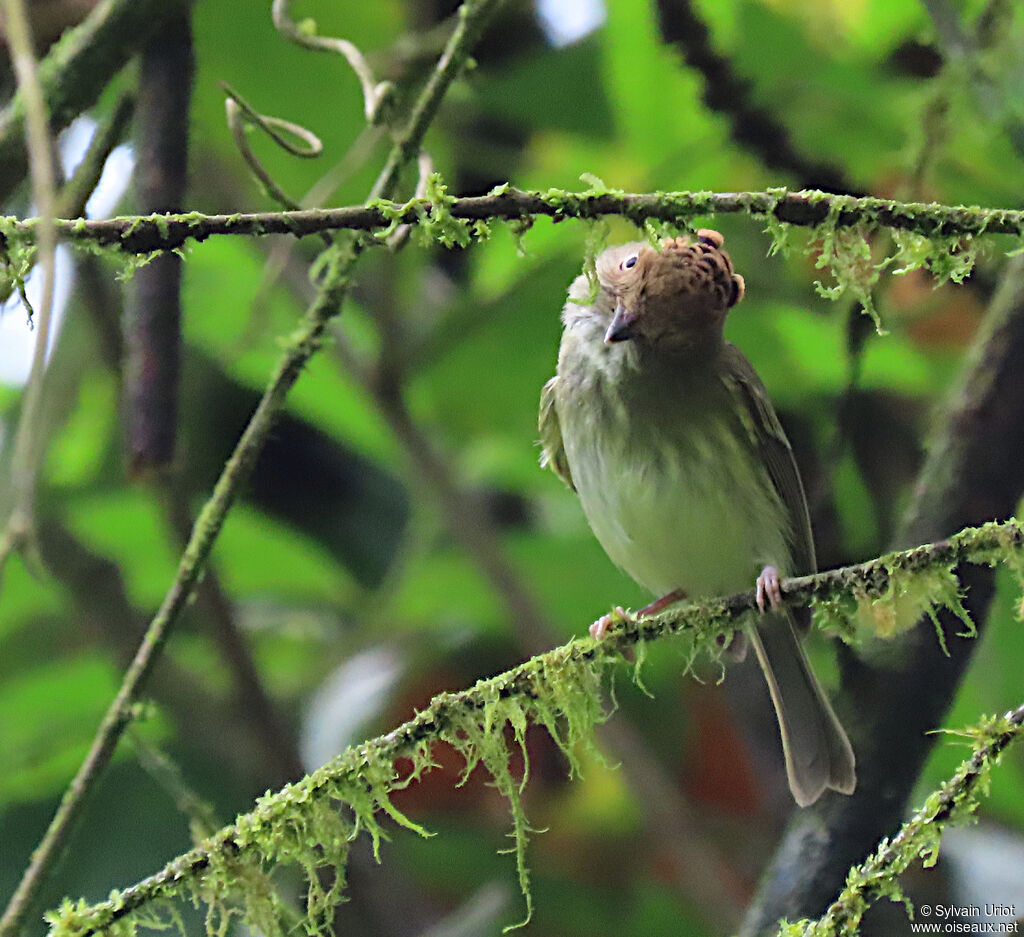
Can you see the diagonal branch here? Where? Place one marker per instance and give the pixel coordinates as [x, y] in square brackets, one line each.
[28, 450]
[360, 767]
[77, 69]
[728, 93]
[918, 837]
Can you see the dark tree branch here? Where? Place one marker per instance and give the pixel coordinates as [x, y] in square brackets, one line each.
[152, 329]
[974, 472]
[76, 71]
[726, 92]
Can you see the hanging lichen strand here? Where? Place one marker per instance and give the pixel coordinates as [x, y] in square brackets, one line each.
[312, 823]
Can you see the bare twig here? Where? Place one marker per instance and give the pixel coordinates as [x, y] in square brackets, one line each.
[954, 39]
[376, 95]
[77, 191]
[240, 116]
[963, 47]
[251, 699]
[200, 813]
[27, 450]
[282, 257]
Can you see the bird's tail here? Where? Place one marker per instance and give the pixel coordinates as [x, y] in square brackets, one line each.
[818, 753]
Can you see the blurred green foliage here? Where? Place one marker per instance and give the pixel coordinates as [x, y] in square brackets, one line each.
[316, 574]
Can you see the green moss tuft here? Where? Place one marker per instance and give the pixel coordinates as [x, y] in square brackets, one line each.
[945, 258]
[518, 227]
[907, 597]
[17, 257]
[436, 222]
[595, 241]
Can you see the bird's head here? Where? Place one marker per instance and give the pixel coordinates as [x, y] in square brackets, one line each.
[675, 297]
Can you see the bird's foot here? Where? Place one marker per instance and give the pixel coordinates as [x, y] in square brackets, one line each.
[659, 605]
[600, 627]
[768, 586]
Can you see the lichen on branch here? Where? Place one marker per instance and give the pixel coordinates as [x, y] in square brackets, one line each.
[918, 839]
[312, 823]
[808, 209]
[941, 239]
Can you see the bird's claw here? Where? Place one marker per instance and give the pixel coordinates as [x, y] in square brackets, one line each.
[768, 585]
[600, 627]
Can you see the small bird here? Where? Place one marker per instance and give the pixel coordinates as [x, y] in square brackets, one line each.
[667, 435]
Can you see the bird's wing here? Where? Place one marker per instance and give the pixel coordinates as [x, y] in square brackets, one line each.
[552, 453]
[772, 445]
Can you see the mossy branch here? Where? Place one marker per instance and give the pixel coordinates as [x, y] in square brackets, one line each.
[918, 838]
[561, 690]
[142, 234]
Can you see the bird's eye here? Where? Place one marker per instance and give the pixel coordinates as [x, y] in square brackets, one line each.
[629, 262]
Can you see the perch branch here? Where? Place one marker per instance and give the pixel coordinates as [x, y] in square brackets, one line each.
[868, 580]
[669, 820]
[141, 234]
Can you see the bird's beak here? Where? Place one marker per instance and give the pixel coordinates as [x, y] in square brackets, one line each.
[620, 329]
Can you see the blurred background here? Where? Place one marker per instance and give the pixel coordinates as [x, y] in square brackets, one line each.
[398, 538]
